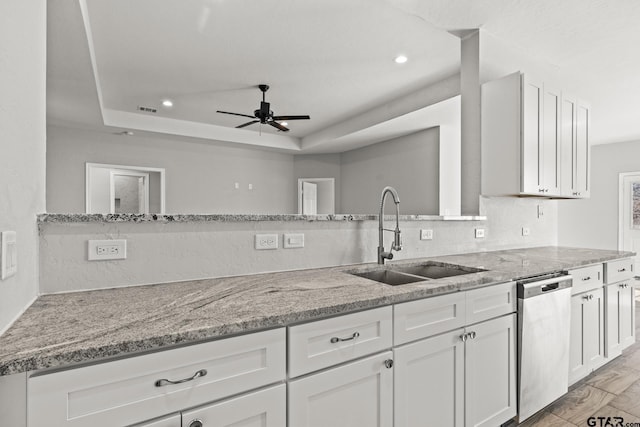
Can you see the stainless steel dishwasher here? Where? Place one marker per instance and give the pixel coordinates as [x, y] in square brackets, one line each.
[544, 315]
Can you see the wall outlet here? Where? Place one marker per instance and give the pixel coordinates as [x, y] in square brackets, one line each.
[292, 240]
[526, 231]
[479, 233]
[103, 250]
[266, 241]
[426, 234]
[8, 254]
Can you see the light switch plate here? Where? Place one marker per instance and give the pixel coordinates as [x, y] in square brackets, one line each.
[293, 240]
[8, 254]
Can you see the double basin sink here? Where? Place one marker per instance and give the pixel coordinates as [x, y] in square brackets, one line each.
[402, 274]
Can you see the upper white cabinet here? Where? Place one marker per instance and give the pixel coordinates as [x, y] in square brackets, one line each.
[533, 142]
[576, 153]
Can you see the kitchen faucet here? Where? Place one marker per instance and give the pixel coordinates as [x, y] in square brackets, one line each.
[397, 244]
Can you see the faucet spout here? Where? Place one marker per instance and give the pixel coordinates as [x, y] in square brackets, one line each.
[397, 241]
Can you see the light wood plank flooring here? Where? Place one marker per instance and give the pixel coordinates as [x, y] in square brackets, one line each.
[611, 391]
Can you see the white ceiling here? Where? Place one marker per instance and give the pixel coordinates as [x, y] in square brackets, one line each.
[331, 59]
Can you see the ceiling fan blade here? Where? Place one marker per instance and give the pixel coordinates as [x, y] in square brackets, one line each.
[236, 114]
[291, 118]
[247, 124]
[279, 126]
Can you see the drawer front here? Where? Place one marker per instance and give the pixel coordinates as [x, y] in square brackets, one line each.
[174, 420]
[621, 269]
[264, 408]
[492, 301]
[327, 342]
[125, 391]
[426, 317]
[586, 278]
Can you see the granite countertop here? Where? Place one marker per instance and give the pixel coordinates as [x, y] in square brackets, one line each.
[60, 330]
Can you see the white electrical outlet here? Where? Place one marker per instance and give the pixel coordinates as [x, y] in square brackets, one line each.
[526, 231]
[266, 241]
[8, 254]
[292, 240]
[426, 234]
[479, 233]
[102, 250]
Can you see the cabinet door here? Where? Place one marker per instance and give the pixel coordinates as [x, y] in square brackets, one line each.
[264, 408]
[620, 320]
[550, 141]
[490, 372]
[583, 151]
[531, 135]
[567, 143]
[429, 382]
[170, 421]
[354, 395]
[586, 350]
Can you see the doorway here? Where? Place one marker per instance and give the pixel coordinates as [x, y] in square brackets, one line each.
[316, 196]
[629, 217]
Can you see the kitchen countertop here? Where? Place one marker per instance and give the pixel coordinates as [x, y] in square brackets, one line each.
[61, 330]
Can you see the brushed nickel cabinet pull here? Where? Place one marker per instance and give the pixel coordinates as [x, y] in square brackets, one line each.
[352, 337]
[164, 381]
[584, 279]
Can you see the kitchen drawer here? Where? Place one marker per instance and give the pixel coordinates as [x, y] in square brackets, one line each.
[489, 302]
[586, 278]
[126, 391]
[618, 270]
[327, 342]
[264, 408]
[426, 317]
[174, 420]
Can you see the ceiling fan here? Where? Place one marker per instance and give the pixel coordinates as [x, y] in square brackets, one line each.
[264, 115]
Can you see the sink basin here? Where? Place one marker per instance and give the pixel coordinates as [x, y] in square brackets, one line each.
[436, 271]
[390, 277]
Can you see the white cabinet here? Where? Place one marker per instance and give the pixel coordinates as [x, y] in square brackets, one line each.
[575, 148]
[462, 372]
[174, 420]
[353, 395]
[620, 320]
[429, 382]
[131, 390]
[523, 140]
[587, 351]
[490, 372]
[264, 408]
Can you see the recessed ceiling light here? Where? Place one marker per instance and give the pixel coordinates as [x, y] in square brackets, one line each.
[400, 59]
[167, 103]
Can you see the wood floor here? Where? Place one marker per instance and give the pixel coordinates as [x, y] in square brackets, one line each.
[611, 391]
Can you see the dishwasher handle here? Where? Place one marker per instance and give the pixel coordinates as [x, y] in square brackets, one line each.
[545, 286]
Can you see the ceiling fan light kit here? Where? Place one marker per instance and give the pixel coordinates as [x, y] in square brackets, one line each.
[264, 115]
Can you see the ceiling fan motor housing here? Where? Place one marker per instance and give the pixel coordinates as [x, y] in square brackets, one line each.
[264, 113]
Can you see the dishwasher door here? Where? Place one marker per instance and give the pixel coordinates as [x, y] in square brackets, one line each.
[544, 316]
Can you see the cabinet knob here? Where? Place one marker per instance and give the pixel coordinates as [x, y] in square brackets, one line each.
[584, 279]
[388, 363]
[622, 270]
[464, 337]
[588, 297]
[472, 335]
[195, 423]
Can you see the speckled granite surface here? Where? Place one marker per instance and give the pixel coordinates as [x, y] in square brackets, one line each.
[65, 329]
[166, 218]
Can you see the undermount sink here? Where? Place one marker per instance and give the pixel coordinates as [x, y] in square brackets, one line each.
[436, 271]
[389, 277]
[402, 274]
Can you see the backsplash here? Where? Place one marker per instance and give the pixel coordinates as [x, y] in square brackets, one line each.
[166, 252]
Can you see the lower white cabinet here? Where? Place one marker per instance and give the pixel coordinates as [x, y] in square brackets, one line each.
[466, 377]
[358, 394]
[263, 408]
[620, 320]
[586, 349]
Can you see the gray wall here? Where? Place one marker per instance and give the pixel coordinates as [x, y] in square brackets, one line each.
[593, 222]
[200, 176]
[409, 163]
[22, 145]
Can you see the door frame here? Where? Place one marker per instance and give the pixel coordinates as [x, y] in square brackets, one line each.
[621, 195]
[145, 188]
